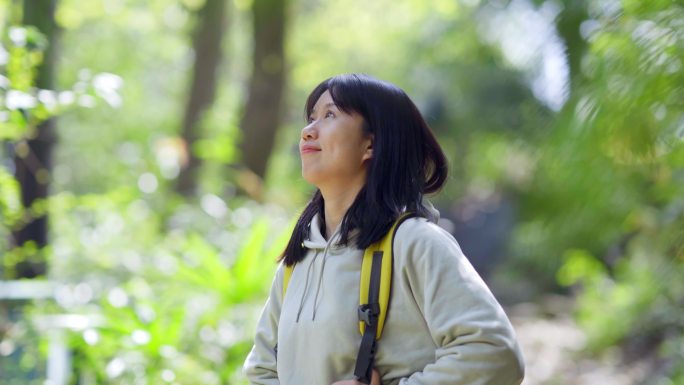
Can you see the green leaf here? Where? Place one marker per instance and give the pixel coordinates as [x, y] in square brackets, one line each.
[579, 265]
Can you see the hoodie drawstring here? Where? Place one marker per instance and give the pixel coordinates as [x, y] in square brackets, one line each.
[320, 278]
[306, 285]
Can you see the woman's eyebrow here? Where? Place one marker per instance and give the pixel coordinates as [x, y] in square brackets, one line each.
[325, 105]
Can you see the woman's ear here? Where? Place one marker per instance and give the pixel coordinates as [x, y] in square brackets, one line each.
[368, 152]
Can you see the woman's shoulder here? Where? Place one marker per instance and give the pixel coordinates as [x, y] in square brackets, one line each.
[416, 227]
[418, 235]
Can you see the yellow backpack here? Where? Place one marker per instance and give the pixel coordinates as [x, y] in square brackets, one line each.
[374, 295]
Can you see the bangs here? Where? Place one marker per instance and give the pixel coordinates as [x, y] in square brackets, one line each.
[345, 91]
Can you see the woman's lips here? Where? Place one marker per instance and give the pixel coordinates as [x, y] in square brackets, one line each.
[309, 149]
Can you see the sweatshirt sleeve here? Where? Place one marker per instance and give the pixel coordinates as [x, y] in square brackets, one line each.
[475, 341]
[260, 365]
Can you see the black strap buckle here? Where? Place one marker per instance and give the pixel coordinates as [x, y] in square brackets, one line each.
[369, 313]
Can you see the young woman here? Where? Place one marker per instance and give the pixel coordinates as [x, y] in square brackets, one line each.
[372, 158]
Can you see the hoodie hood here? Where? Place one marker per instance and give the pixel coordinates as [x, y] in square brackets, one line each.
[316, 239]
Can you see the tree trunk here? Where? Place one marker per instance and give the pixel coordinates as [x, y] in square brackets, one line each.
[262, 111]
[208, 35]
[33, 158]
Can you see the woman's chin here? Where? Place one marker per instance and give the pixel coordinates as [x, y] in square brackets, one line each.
[311, 177]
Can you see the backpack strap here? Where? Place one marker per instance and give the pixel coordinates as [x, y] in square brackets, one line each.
[375, 287]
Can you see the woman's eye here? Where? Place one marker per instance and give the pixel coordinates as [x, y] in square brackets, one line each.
[329, 114]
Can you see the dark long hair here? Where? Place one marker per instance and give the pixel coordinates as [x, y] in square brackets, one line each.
[407, 162]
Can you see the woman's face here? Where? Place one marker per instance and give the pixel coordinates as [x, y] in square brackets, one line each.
[333, 146]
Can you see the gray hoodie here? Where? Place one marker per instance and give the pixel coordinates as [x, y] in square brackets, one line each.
[443, 325]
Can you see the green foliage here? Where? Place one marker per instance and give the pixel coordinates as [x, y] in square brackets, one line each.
[608, 187]
[170, 285]
[25, 106]
[221, 149]
[163, 302]
[580, 265]
[27, 368]
[20, 109]
[10, 198]
[184, 327]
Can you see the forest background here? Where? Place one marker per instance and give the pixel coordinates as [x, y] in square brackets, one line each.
[149, 173]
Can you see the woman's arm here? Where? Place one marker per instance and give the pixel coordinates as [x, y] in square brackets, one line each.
[260, 365]
[475, 341]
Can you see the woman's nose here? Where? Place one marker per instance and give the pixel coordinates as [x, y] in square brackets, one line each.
[309, 132]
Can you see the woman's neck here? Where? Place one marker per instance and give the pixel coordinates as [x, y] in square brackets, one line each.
[336, 204]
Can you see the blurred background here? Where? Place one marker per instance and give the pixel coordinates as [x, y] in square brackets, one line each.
[149, 173]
